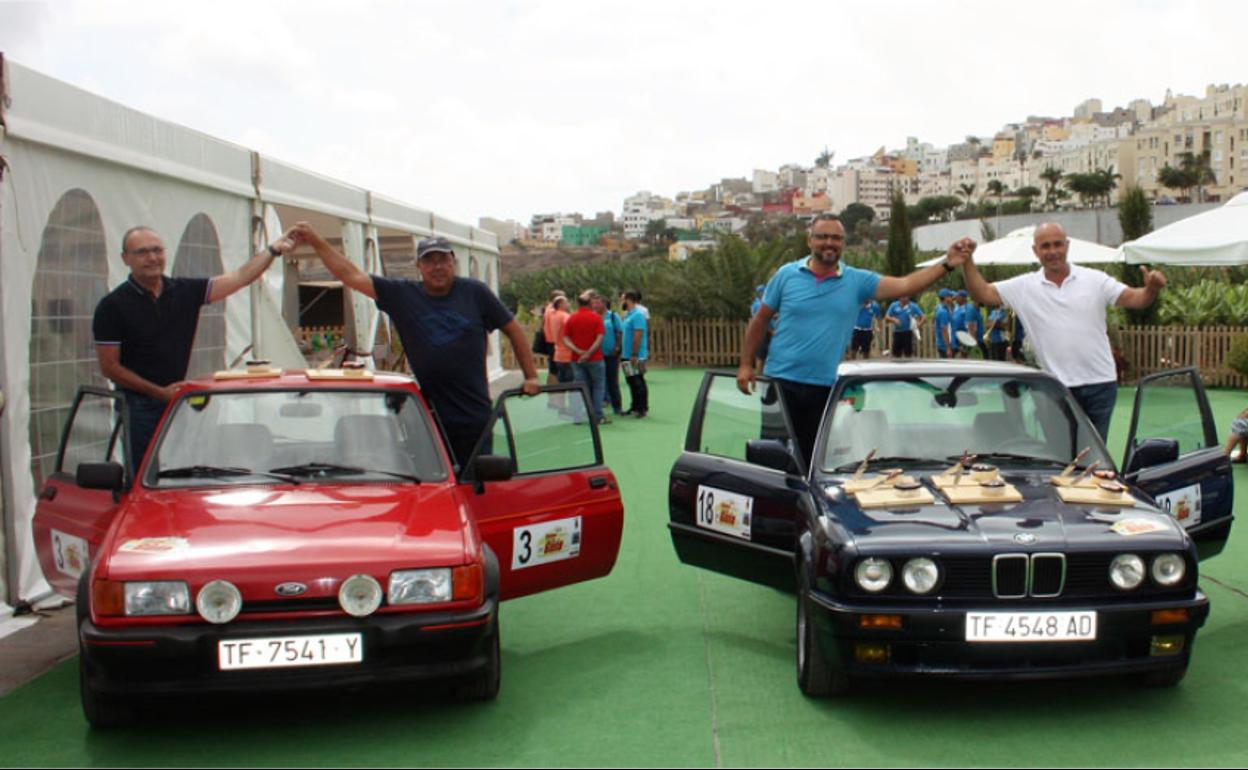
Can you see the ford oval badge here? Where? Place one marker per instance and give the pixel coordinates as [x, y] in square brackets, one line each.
[1024, 538]
[290, 589]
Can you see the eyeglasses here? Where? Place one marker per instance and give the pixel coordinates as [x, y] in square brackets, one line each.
[826, 237]
[154, 251]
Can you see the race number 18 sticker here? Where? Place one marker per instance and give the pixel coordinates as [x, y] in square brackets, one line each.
[1183, 504]
[545, 543]
[724, 511]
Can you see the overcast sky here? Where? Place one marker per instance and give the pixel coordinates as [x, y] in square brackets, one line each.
[508, 109]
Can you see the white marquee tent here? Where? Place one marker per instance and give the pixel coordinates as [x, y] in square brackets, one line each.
[1216, 237]
[1015, 249]
[76, 171]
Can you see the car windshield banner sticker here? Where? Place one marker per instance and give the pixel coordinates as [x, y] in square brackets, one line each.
[724, 511]
[545, 543]
[1183, 504]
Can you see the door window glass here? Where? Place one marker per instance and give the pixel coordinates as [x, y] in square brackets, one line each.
[93, 436]
[1170, 408]
[731, 419]
[547, 432]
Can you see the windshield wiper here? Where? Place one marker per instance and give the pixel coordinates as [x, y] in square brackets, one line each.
[330, 469]
[1029, 459]
[218, 472]
[892, 460]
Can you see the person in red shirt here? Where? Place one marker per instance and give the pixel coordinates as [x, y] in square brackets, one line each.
[582, 335]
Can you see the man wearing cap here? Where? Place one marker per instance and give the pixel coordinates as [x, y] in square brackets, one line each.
[145, 328]
[945, 343]
[905, 316]
[443, 321]
[1063, 307]
[818, 299]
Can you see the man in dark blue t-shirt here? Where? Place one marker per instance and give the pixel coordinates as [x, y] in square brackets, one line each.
[443, 321]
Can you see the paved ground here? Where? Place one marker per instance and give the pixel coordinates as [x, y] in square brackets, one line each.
[660, 664]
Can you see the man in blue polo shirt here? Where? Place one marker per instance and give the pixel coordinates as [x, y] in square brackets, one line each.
[905, 316]
[945, 343]
[864, 330]
[145, 328]
[818, 300]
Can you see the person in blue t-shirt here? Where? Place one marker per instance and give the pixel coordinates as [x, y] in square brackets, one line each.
[905, 316]
[946, 345]
[997, 343]
[864, 330]
[636, 349]
[818, 300]
[611, 345]
[961, 314]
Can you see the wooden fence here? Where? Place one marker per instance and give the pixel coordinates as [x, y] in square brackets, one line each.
[1141, 350]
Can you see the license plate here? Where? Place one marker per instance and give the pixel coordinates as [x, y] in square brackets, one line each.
[1030, 626]
[290, 651]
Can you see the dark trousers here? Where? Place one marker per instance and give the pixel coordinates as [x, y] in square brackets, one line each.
[903, 344]
[804, 404]
[613, 383]
[144, 413]
[996, 350]
[639, 392]
[1098, 402]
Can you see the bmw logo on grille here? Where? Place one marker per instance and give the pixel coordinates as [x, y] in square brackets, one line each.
[1024, 538]
[290, 589]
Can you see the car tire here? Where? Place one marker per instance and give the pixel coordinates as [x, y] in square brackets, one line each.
[484, 686]
[101, 712]
[814, 676]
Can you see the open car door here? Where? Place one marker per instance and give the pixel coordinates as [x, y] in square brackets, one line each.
[734, 491]
[71, 521]
[1174, 455]
[557, 517]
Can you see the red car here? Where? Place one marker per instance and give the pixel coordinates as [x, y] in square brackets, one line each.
[308, 529]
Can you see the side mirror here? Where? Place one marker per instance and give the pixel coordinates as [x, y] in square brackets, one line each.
[1152, 452]
[492, 468]
[109, 476]
[770, 453]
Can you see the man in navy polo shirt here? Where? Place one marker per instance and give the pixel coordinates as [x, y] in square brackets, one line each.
[145, 328]
[443, 321]
[818, 300]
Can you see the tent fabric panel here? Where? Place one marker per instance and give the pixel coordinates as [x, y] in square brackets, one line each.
[282, 183]
[393, 215]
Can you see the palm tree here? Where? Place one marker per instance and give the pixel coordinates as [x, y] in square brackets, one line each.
[1201, 171]
[967, 191]
[995, 187]
[1109, 180]
[1052, 176]
[825, 158]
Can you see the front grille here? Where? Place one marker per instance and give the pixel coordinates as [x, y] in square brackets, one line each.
[1048, 575]
[316, 604]
[1009, 576]
[1018, 575]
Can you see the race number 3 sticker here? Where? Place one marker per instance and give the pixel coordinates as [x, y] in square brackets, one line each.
[545, 543]
[724, 511]
[69, 553]
[1183, 504]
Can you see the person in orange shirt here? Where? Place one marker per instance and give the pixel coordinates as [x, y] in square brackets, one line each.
[552, 326]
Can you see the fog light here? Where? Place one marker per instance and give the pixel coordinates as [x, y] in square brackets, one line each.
[360, 595]
[219, 602]
[887, 622]
[871, 653]
[1167, 617]
[1166, 646]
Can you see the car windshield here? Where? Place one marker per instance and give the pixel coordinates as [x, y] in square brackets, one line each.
[929, 420]
[216, 439]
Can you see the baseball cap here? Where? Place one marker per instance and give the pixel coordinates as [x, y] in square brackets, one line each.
[962, 293]
[431, 245]
[943, 293]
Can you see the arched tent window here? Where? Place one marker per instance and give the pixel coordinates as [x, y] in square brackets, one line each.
[71, 277]
[199, 256]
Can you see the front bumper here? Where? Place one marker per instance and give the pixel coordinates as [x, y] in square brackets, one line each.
[181, 659]
[932, 641]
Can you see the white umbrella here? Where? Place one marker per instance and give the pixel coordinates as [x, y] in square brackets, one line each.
[1216, 237]
[1015, 249]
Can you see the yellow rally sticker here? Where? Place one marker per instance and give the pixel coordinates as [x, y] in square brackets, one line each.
[154, 545]
[1131, 527]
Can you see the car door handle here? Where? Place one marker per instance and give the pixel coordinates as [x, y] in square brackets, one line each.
[48, 493]
[598, 482]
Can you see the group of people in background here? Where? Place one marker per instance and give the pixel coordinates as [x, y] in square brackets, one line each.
[594, 344]
[997, 336]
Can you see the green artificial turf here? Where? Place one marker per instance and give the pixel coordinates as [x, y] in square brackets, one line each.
[665, 665]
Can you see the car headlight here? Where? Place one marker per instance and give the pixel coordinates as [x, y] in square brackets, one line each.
[360, 595]
[1126, 571]
[920, 575]
[219, 602]
[157, 597]
[1169, 569]
[420, 586]
[874, 574]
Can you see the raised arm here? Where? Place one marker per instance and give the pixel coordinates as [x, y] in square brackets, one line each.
[1139, 298]
[892, 287]
[341, 267]
[980, 290]
[228, 283]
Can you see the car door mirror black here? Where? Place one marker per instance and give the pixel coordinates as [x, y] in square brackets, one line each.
[492, 468]
[1151, 453]
[770, 453]
[107, 476]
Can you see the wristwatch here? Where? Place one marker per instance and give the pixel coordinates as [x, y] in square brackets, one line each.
[273, 252]
[948, 267]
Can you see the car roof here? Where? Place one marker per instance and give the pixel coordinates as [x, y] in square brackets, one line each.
[298, 378]
[886, 368]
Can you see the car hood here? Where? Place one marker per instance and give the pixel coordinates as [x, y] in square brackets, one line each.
[1041, 522]
[306, 530]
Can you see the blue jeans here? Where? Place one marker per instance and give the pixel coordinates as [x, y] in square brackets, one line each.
[144, 413]
[1098, 403]
[595, 374]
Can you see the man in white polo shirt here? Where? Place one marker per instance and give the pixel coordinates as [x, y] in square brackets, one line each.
[1063, 308]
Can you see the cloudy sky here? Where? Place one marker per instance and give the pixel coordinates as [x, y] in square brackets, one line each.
[507, 109]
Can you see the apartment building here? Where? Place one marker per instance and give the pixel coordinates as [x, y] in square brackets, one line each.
[642, 209]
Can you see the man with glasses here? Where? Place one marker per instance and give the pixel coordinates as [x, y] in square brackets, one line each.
[818, 299]
[145, 328]
[443, 321]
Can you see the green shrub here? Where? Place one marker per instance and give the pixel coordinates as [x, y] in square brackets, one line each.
[1238, 358]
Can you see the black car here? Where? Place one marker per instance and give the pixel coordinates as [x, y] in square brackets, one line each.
[998, 540]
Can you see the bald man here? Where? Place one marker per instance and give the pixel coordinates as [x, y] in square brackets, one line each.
[1063, 307]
